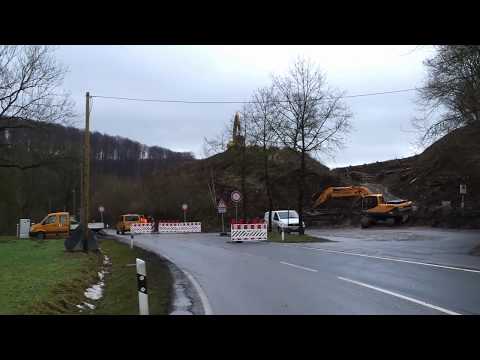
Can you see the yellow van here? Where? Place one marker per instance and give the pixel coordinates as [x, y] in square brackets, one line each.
[58, 224]
[53, 225]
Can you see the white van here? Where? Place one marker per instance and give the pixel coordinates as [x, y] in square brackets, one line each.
[284, 219]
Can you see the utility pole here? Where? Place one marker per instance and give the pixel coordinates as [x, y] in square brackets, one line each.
[80, 208]
[86, 172]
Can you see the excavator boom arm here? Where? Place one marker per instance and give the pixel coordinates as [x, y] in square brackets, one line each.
[341, 192]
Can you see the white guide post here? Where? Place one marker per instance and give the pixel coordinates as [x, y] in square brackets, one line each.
[142, 287]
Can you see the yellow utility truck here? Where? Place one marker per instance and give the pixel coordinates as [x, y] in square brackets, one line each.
[126, 220]
[59, 224]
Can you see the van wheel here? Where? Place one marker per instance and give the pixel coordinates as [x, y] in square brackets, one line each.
[40, 236]
[123, 232]
[365, 222]
[118, 232]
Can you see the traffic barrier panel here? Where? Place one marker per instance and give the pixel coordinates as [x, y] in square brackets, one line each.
[180, 227]
[141, 228]
[248, 232]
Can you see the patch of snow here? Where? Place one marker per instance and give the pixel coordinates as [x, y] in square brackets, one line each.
[90, 305]
[101, 275]
[95, 292]
[106, 260]
[80, 306]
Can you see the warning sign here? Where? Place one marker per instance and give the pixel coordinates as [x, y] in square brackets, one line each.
[222, 207]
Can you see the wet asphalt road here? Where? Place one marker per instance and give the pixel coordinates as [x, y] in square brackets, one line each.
[379, 273]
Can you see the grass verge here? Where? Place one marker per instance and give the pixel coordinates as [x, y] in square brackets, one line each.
[120, 294]
[275, 236]
[40, 277]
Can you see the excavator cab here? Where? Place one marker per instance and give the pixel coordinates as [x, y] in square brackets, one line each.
[372, 201]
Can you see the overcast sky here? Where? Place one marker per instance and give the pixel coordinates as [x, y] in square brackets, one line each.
[381, 123]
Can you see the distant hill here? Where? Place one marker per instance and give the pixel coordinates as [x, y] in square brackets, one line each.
[189, 182]
[115, 161]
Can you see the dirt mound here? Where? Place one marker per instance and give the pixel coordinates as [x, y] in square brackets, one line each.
[432, 179]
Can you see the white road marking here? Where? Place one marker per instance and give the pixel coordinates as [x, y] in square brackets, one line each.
[248, 254]
[388, 258]
[438, 308]
[298, 266]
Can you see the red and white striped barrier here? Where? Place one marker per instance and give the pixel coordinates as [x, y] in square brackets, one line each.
[180, 227]
[248, 232]
[141, 228]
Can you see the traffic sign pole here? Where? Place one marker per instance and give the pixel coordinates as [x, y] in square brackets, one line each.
[185, 208]
[236, 197]
[101, 209]
[223, 227]
[222, 208]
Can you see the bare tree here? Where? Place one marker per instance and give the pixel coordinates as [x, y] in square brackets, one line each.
[219, 143]
[451, 95]
[30, 81]
[309, 117]
[261, 114]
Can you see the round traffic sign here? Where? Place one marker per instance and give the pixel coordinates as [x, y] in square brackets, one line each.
[101, 209]
[236, 196]
[184, 207]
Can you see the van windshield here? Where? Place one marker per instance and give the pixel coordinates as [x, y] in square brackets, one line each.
[131, 218]
[292, 214]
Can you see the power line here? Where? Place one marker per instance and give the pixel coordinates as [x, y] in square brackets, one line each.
[381, 93]
[244, 102]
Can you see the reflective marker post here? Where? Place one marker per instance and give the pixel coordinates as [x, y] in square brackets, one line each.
[142, 287]
[463, 191]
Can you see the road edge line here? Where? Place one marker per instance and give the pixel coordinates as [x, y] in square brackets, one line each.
[400, 296]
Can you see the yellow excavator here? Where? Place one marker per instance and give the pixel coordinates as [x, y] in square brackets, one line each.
[373, 207]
